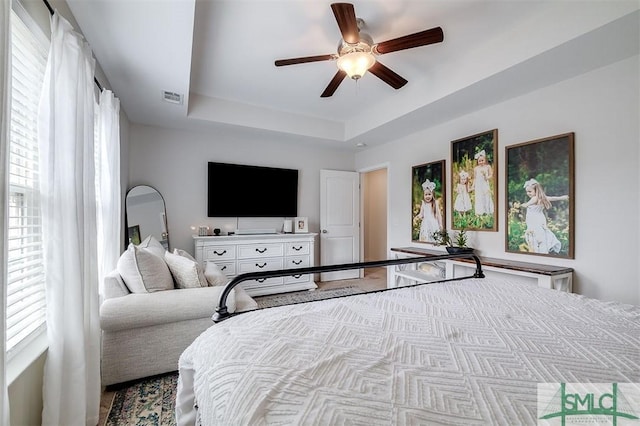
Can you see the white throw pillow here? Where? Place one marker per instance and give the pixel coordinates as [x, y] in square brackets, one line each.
[144, 272]
[214, 275]
[183, 253]
[153, 245]
[184, 271]
[201, 277]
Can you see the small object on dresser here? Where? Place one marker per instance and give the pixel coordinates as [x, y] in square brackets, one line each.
[203, 231]
[216, 231]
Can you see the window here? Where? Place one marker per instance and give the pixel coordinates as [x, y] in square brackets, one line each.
[26, 302]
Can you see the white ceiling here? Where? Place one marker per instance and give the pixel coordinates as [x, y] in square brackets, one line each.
[220, 54]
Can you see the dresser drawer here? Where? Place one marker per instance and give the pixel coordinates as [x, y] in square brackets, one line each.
[228, 268]
[295, 248]
[296, 262]
[257, 265]
[251, 251]
[298, 278]
[217, 253]
[262, 283]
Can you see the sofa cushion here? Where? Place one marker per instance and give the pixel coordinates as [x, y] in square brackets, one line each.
[153, 245]
[201, 277]
[143, 310]
[214, 275]
[113, 286]
[144, 272]
[186, 273]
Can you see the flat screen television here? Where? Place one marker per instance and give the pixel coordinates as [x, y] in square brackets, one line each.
[237, 190]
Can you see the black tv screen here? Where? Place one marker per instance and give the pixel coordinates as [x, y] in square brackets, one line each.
[236, 190]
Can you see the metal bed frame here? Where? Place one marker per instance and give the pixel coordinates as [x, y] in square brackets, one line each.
[222, 312]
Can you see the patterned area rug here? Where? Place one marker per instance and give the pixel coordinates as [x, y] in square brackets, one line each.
[304, 296]
[150, 402]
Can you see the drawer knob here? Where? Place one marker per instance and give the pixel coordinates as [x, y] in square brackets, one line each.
[261, 251]
[261, 280]
[223, 267]
[297, 248]
[296, 276]
[296, 262]
[219, 253]
[261, 266]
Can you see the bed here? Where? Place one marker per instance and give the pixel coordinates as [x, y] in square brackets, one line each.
[471, 351]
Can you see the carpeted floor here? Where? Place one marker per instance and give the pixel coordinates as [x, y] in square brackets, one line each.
[151, 401]
[304, 296]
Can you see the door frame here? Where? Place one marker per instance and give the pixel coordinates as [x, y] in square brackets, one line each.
[361, 172]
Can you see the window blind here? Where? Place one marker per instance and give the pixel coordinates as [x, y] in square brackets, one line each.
[26, 302]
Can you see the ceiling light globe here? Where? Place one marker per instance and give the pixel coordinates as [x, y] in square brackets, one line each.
[356, 64]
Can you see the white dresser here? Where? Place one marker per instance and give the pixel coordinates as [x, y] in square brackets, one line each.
[239, 254]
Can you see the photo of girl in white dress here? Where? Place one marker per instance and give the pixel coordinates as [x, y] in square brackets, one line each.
[430, 214]
[474, 180]
[482, 175]
[428, 204]
[539, 238]
[538, 223]
[462, 204]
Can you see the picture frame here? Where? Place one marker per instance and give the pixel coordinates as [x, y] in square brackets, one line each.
[134, 234]
[428, 177]
[474, 182]
[540, 197]
[300, 225]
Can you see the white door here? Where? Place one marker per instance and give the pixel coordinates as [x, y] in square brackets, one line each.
[339, 222]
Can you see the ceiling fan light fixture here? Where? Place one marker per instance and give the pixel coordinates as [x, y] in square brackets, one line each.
[356, 64]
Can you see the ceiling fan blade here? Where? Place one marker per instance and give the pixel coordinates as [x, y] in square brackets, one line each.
[293, 61]
[346, 17]
[434, 35]
[385, 74]
[333, 84]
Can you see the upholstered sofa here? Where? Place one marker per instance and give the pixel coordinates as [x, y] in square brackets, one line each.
[145, 329]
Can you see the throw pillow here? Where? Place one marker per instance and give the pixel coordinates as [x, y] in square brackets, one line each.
[214, 275]
[201, 277]
[153, 245]
[144, 272]
[184, 271]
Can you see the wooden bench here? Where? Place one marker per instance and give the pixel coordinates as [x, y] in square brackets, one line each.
[547, 276]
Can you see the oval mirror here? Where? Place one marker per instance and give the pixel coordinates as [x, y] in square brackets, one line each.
[146, 215]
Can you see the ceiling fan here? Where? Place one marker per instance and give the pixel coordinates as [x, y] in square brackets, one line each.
[357, 52]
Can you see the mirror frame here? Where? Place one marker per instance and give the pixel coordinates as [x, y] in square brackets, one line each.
[135, 229]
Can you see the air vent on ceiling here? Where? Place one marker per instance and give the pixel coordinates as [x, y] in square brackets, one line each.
[172, 97]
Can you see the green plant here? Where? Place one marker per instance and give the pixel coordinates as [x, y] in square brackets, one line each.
[461, 238]
[442, 238]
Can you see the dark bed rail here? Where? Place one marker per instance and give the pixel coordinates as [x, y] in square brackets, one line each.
[222, 313]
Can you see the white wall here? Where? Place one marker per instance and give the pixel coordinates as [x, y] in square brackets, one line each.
[175, 163]
[602, 108]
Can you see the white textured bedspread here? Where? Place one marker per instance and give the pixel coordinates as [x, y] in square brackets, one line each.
[469, 352]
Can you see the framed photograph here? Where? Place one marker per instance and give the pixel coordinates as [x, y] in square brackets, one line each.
[474, 182]
[540, 197]
[134, 234]
[300, 225]
[427, 201]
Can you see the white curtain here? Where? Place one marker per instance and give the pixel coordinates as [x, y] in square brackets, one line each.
[108, 182]
[5, 67]
[71, 389]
